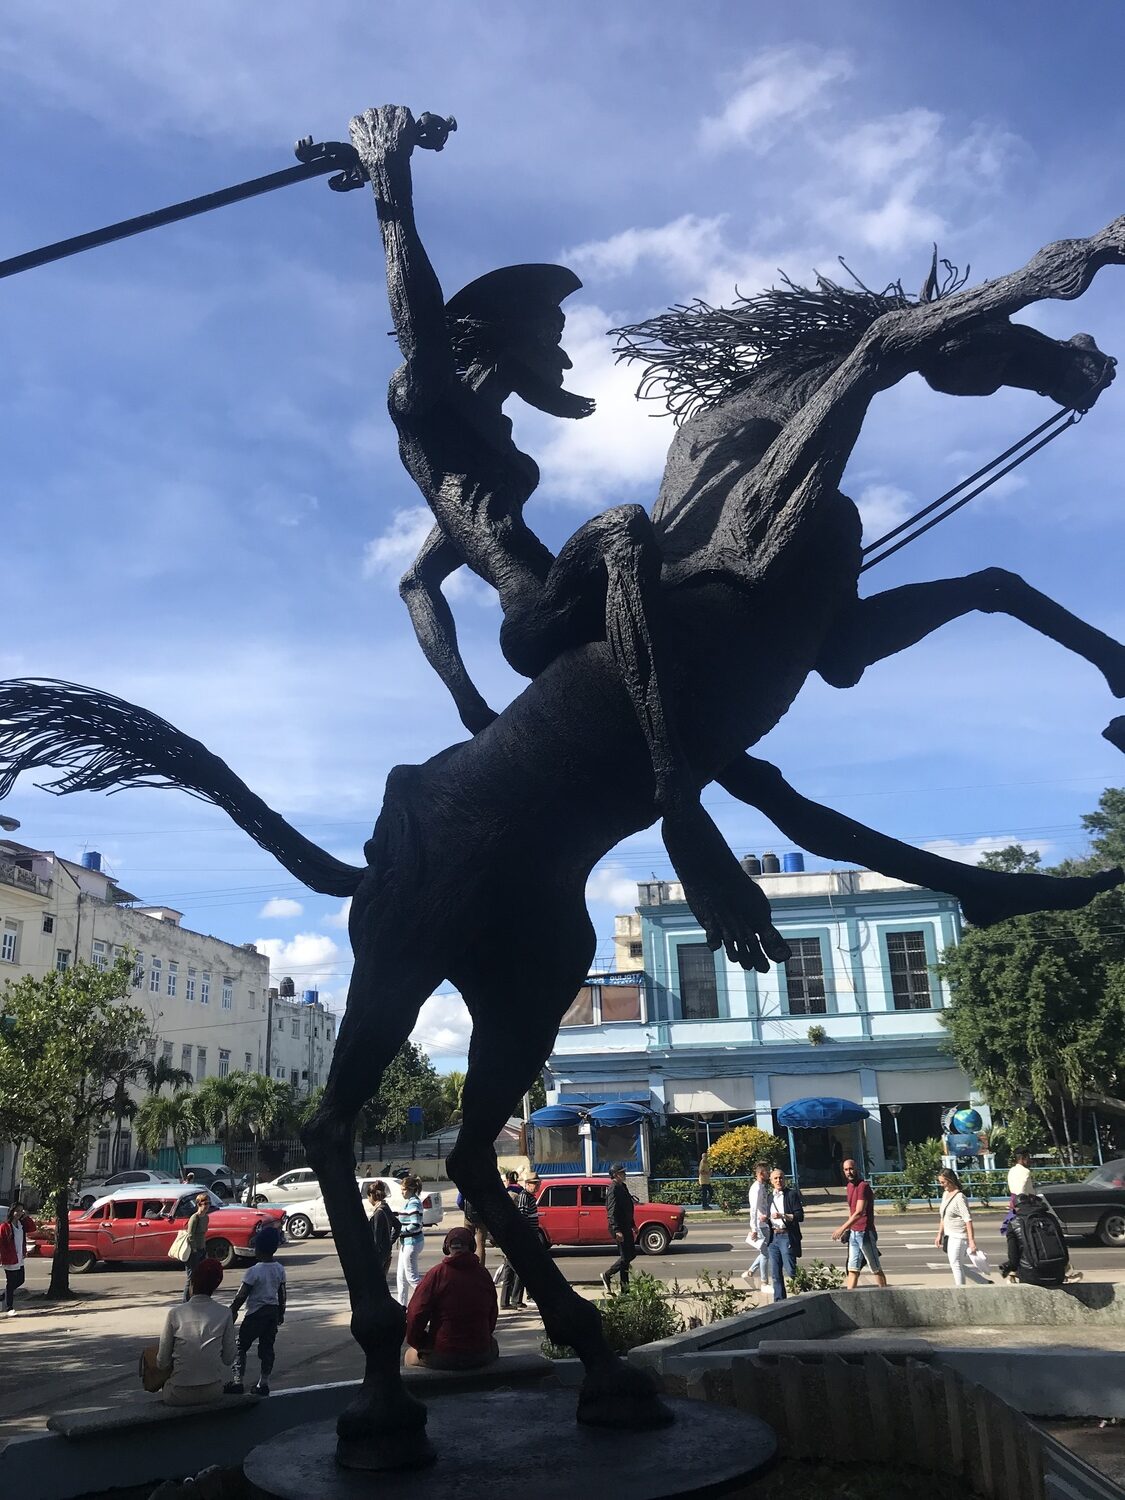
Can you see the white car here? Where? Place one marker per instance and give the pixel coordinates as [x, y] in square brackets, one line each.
[290, 1187]
[311, 1218]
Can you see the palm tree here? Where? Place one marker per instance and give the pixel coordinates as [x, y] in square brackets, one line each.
[260, 1104]
[123, 1068]
[452, 1088]
[158, 1117]
[217, 1103]
[157, 1074]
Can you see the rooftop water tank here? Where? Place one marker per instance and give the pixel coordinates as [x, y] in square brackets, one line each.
[751, 864]
[91, 860]
[793, 864]
[310, 997]
[771, 865]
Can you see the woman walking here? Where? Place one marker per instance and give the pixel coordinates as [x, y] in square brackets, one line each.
[955, 1230]
[410, 1239]
[196, 1231]
[384, 1226]
[13, 1252]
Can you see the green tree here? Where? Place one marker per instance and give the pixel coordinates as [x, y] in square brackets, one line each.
[218, 1105]
[738, 1151]
[160, 1117]
[410, 1078]
[452, 1087]
[62, 1034]
[262, 1104]
[157, 1074]
[1013, 859]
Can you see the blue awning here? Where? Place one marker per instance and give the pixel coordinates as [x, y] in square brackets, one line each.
[619, 1114]
[556, 1115]
[814, 1114]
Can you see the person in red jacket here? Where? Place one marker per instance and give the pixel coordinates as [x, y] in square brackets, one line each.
[13, 1250]
[452, 1314]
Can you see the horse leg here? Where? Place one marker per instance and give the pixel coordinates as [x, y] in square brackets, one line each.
[384, 1427]
[507, 1052]
[870, 629]
[986, 896]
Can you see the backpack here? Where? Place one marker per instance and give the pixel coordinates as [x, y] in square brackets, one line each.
[1042, 1248]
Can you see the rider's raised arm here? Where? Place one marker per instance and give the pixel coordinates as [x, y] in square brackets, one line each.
[385, 139]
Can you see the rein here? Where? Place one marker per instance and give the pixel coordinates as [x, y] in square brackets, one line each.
[879, 551]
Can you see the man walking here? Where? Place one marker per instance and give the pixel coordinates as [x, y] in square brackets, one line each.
[704, 1177]
[622, 1226]
[759, 1236]
[1021, 1183]
[858, 1229]
[785, 1211]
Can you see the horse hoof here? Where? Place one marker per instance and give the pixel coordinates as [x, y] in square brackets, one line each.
[617, 1395]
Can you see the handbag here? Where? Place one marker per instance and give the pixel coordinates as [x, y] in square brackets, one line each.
[153, 1376]
[180, 1248]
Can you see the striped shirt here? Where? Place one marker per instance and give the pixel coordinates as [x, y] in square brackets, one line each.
[410, 1217]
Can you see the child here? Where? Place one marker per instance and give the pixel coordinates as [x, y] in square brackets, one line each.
[263, 1287]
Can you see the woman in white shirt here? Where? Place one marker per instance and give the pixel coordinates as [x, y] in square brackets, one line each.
[198, 1343]
[955, 1224]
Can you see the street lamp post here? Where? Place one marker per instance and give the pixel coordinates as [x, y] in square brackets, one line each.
[895, 1110]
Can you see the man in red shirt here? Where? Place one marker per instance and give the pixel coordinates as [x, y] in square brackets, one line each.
[452, 1314]
[859, 1228]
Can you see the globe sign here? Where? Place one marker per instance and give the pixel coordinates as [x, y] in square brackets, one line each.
[966, 1121]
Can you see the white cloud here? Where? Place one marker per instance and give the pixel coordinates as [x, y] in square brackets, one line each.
[280, 907]
[683, 248]
[443, 1027]
[882, 507]
[391, 553]
[881, 149]
[970, 852]
[314, 961]
[340, 918]
[781, 86]
[611, 883]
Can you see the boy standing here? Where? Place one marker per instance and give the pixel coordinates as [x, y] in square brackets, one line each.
[263, 1289]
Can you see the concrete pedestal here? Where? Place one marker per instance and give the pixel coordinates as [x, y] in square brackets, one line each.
[506, 1445]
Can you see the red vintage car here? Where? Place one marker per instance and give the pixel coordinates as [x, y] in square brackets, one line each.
[139, 1224]
[572, 1212]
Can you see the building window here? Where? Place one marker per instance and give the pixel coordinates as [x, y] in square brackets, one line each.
[101, 959]
[201, 1064]
[102, 1162]
[293, 1077]
[48, 922]
[910, 974]
[224, 1063]
[185, 1058]
[699, 993]
[205, 987]
[62, 960]
[252, 1000]
[804, 978]
[636, 950]
[167, 1054]
[138, 971]
[228, 994]
[150, 1048]
[281, 1023]
[248, 1063]
[296, 1028]
[154, 976]
[191, 984]
[9, 942]
[173, 977]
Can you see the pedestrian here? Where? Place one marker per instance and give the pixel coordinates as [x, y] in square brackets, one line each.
[858, 1229]
[509, 1286]
[263, 1291]
[703, 1175]
[411, 1239]
[474, 1222]
[384, 1226]
[758, 1238]
[955, 1230]
[196, 1231]
[622, 1226]
[197, 1343]
[785, 1211]
[1037, 1253]
[836, 1155]
[1021, 1180]
[13, 1252]
[188, 1177]
[452, 1314]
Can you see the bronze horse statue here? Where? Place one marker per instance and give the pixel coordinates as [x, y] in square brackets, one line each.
[680, 635]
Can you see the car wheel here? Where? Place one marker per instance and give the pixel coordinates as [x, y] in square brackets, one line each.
[81, 1261]
[654, 1239]
[259, 1200]
[222, 1251]
[299, 1227]
[221, 1190]
[1111, 1230]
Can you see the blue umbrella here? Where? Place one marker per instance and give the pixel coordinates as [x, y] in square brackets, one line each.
[816, 1114]
[556, 1114]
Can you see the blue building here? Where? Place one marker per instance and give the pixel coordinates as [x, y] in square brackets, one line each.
[855, 1013]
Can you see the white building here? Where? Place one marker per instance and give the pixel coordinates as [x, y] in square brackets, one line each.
[302, 1038]
[207, 999]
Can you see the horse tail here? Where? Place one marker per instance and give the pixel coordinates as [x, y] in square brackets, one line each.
[108, 744]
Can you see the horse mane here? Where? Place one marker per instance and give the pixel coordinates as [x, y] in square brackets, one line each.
[696, 355]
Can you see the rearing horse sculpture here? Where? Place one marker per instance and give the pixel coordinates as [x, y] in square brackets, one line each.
[472, 847]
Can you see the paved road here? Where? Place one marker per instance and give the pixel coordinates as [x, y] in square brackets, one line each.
[86, 1355]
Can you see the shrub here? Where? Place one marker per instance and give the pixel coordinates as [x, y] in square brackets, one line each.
[738, 1151]
[815, 1277]
[817, 1035]
[923, 1162]
[986, 1186]
[640, 1314]
[681, 1190]
[722, 1299]
[898, 1188]
[672, 1151]
[733, 1196]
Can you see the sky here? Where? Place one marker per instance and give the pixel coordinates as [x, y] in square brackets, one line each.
[203, 505]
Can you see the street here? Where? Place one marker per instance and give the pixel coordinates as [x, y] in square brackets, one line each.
[86, 1354]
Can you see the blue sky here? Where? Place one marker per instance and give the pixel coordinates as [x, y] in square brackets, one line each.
[204, 509]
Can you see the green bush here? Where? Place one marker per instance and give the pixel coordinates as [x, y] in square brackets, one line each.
[733, 1195]
[722, 1299]
[681, 1190]
[923, 1162]
[986, 1186]
[640, 1314]
[898, 1187]
[672, 1151]
[738, 1151]
[815, 1277]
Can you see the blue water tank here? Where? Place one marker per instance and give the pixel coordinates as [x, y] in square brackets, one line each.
[91, 860]
[793, 864]
[310, 997]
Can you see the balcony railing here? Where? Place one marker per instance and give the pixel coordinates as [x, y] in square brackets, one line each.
[16, 875]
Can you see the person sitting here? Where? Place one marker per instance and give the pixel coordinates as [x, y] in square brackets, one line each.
[1037, 1253]
[198, 1343]
[452, 1314]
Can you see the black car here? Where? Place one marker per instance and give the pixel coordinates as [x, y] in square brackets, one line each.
[1094, 1206]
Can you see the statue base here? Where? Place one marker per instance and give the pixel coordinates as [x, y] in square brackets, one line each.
[508, 1444]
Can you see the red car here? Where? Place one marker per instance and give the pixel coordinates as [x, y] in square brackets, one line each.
[572, 1212]
[140, 1223]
